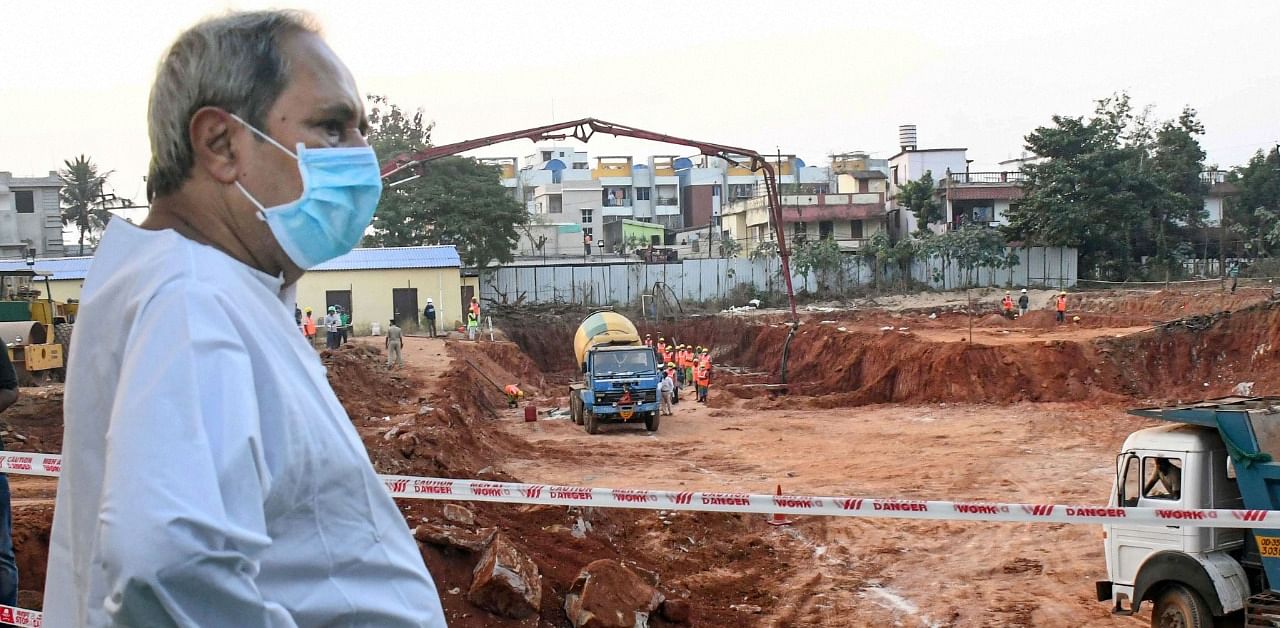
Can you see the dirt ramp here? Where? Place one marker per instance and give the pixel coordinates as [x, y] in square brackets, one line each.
[854, 368]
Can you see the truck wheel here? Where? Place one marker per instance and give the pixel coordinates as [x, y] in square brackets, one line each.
[575, 410]
[1180, 607]
[593, 424]
[651, 421]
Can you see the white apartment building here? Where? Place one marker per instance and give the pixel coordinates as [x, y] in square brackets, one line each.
[30, 216]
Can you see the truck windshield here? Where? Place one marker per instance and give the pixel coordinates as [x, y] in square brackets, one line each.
[622, 363]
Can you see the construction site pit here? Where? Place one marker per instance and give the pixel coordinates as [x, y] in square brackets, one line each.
[914, 397]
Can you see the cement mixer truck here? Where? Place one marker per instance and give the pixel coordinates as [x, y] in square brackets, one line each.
[619, 374]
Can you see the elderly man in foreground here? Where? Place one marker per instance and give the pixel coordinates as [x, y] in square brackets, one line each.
[211, 477]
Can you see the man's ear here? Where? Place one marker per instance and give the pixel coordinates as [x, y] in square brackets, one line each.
[213, 152]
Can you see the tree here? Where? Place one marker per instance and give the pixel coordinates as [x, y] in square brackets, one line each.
[1116, 186]
[818, 257]
[918, 198]
[730, 247]
[1254, 214]
[456, 201]
[83, 202]
[970, 247]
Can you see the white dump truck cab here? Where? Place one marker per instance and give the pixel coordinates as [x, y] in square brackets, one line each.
[1189, 573]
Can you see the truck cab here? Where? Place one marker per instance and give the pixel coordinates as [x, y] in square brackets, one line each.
[621, 384]
[620, 374]
[1192, 574]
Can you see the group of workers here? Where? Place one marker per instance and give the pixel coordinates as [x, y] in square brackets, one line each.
[1024, 304]
[336, 323]
[684, 364]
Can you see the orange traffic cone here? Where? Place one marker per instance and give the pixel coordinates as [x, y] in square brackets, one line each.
[778, 519]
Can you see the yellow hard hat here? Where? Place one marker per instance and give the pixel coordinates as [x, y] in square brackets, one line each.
[671, 364]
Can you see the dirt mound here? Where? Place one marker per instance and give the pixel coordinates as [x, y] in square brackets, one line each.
[1167, 304]
[365, 386]
[1200, 356]
[34, 422]
[31, 528]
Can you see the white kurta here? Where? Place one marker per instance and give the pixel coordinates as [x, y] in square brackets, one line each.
[210, 476]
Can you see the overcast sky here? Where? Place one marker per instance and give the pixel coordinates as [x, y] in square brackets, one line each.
[810, 78]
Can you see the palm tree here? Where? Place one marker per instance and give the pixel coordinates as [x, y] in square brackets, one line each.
[83, 201]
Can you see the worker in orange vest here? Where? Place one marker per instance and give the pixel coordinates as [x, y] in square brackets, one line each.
[702, 379]
[514, 395]
[648, 341]
[662, 349]
[1007, 304]
[689, 363]
[309, 327]
[1062, 306]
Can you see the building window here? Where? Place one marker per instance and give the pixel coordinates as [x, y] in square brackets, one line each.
[546, 155]
[642, 194]
[586, 235]
[826, 229]
[555, 176]
[715, 190]
[800, 230]
[579, 165]
[586, 218]
[742, 190]
[614, 197]
[555, 206]
[895, 175]
[855, 229]
[984, 214]
[24, 201]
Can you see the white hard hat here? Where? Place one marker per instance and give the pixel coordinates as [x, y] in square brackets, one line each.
[429, 298]
[1024, 291]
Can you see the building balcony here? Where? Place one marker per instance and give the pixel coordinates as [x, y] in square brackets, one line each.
[987, 178]
[608, 167]
[666, 201]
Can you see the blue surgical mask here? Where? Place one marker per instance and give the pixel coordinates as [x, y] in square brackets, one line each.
[340, 190]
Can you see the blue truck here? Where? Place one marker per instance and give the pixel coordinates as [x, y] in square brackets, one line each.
[620, 375]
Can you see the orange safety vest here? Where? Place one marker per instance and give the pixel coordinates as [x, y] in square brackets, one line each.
[309, 325]
[701, 376]
[512, 390]
[1062, 304]
[1008, 302]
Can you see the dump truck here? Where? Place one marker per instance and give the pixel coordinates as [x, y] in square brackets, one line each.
[619, 374]
[1214, 454]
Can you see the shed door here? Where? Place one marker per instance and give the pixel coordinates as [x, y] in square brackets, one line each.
[405, 303]
[467, 293]
[340, 298]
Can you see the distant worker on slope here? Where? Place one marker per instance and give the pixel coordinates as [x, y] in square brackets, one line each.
[394, 341]
[1024, 303]
[702, 378]
[473, 325]
[514, 395]
[1006, 305]
[1061, 305]
[429, 315]
[309, 327]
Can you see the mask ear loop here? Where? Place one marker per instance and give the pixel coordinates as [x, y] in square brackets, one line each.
[262, 211]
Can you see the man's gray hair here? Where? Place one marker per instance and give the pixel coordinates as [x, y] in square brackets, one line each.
[233, 62]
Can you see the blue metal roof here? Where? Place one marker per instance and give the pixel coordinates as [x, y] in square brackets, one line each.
[396, 257]
[61, 267]
[359, 259]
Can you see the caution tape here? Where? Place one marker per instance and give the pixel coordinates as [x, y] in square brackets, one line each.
[15, 616]
[447, 489]
[505, 492]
